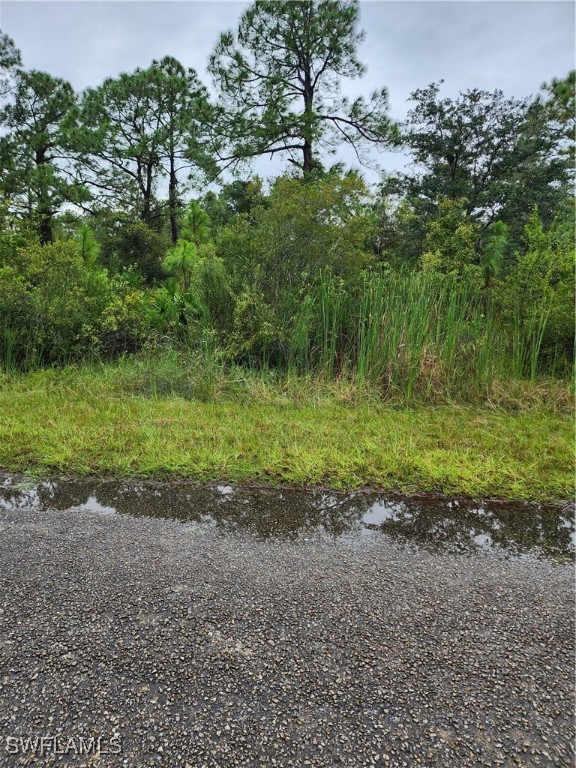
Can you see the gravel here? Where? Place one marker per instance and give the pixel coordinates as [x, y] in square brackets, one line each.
[185, 648]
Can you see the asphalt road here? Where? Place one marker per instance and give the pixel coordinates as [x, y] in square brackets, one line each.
[179, 647]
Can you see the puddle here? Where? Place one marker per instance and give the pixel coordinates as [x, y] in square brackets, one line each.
[440, 523]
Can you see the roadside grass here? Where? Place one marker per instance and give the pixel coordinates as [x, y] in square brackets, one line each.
[149, 417]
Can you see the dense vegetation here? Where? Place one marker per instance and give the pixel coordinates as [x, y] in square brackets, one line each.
[445, 283]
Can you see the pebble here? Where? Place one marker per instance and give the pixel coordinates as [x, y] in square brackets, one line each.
[226, 651]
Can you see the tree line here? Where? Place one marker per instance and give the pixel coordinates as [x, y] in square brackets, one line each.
[104, 180]
[277, 80]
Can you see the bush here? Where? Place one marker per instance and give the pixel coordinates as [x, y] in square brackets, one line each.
[257, 334]
[199, 298]
[133, 245]
[536, 299]
[304, 228]
[55, 308]
[450, 241]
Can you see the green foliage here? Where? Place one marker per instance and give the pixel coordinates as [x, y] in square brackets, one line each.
[212, 289]
[32, 147]
[303, 229]
[560, 110]
[135, 129]
[401, 232]
[444, 285]
[88, 245]
[10, 61]
[273, 103]
[237, 198]
[179, 261]
[196, 227]
[499, 154]
[537, 297]
[450, 241]
[416, 334]
[493, 251]
[237, 245]
[55, 307]
[136, 246]
[197, 307]
[257, 335]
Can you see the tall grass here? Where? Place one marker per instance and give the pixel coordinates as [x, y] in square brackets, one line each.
[411, 334]
[22, 347]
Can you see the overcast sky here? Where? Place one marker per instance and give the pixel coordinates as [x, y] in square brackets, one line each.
[514, 46]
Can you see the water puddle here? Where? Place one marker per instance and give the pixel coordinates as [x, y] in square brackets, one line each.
[441, 523]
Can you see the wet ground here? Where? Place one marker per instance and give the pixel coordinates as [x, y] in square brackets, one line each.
[434, 522]
[228, 626]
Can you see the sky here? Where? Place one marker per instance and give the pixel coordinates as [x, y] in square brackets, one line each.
[513, 45]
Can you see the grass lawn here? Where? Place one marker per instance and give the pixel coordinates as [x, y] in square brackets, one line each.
[100, 421]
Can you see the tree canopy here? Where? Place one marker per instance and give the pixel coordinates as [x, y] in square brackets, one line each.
[10, 61]
[279, 80]
[139, 128]
[482, 147]
[33, 153]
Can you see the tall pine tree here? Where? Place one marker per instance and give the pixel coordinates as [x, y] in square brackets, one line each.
[279, 78]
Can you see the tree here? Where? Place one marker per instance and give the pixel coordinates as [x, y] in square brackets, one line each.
[10, 61]
[134, 248]
[495, 152]
[196, 227]
[238, 198]
[560, 110]
[88, 246]
[450, 241]
[137, 129]
[184, 116]
[279, 82]
[33, 152]
[304, 229]
[194, 234]
[180, 261]
[115, 134]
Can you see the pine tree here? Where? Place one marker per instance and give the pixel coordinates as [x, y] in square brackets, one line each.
[34, 149]
[279, 79]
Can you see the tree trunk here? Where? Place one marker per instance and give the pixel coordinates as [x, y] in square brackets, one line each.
[173, 200]
[45, 228]
[44, 212]
[147, 208]
[308, 164]
[308, 159]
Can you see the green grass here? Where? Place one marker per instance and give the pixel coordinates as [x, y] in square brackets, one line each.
[131, 419]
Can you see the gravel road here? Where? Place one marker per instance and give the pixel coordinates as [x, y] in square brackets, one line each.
[184, 648]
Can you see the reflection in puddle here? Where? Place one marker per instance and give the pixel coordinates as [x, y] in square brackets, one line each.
[455, 525]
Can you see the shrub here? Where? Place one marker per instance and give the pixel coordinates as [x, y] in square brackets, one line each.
[537, 298]
[56, 308]
[304, 228]
[450, 241]
[136, 246]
